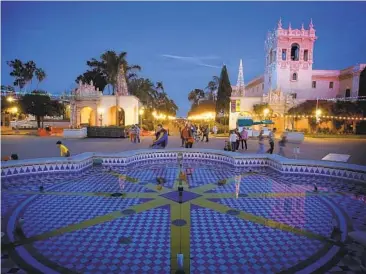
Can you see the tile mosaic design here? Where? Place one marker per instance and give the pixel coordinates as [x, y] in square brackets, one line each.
[49, 212]
[141, 242]
[221, 243]
[97, 249]
[308, 213]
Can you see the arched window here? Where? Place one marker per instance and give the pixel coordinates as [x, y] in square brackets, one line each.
[271, 57]
[294, 76]
[295, 50]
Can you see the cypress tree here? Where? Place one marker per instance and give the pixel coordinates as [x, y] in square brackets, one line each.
[223, 95]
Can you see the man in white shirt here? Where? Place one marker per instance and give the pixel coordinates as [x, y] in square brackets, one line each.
[271, 138]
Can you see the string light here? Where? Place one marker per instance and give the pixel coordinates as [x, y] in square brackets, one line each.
[327, 117]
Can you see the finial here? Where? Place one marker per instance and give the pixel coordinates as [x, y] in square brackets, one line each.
[289, 26]
[311, 23]
[279, 25]
[302, 26]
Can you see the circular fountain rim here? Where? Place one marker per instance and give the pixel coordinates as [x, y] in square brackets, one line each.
[85, 160]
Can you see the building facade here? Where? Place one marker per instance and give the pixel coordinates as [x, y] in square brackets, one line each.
[88, 106]
[289, 77]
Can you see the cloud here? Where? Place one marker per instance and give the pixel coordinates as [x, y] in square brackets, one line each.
[193, 60]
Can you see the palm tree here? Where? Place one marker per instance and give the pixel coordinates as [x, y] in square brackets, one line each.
[40, 75]
[195, 95]
[159, 86]
[109, 65]
[212, 87]
[23, 73]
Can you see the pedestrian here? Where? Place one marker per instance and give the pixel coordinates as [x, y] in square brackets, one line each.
[244, 138]
[181, 136]
[261, 142]
[282, 144]
[233, 139]
[64, 151]
[137, 134]
[161, 138]
[133, 134]
[205, 133]
[271, 138]
[237, 139]
[187, 135]
[214, 129]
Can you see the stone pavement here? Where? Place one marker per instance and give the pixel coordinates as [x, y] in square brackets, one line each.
[37, 147]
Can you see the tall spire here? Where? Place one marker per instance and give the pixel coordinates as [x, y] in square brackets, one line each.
[311, 23]
[279, 25]
[240, 83]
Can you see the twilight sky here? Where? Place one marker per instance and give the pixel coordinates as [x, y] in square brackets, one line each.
[61, 36]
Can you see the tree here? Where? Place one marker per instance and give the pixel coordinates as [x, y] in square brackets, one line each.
[258, 109]
[39, 104]
[204, 106]
[195, 95]
[24, 72]
[223, 94]
[40, 75]
[212, 87]
[108, 67]
[94, 75]
[160, 86]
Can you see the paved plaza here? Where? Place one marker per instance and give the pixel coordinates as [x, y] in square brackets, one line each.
[28, 147]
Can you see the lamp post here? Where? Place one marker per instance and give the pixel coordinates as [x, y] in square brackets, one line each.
[101, 111]
[141, 112]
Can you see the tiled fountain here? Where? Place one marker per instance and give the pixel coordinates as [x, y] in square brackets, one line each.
[236, 213]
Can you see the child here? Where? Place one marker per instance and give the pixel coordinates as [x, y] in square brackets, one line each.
[64, 151]
[282, 144]
[233, 138]
[12, 157]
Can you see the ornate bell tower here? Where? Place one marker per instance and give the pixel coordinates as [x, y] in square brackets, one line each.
[289, 60]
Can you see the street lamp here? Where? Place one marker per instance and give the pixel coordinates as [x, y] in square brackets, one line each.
[14, 110]
[101, 111]
[10, 99]
[318, 112]
[141, 111]
[265, 112]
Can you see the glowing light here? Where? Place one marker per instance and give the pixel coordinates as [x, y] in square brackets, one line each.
[318, 112]
[10, 99]
[141, 111]
[203, 116]
[100, 110]
[14, 110]
[266, 111]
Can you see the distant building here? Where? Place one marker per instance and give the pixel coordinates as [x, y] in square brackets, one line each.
[289, 77]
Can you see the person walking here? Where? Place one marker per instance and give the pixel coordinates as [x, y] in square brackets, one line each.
[181, 136]
[261, 142]
[214, 129]
[187, 135]
[282, 144]
[237, 139]
[137, 132]
[244, 138]
[271, 138]
[205, 133]
[233, 140]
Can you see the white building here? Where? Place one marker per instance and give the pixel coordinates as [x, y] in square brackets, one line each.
[289, 77]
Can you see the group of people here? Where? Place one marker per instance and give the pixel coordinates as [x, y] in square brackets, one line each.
[237, 137]
[161, 138]
[135, 134]
[191, 133]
